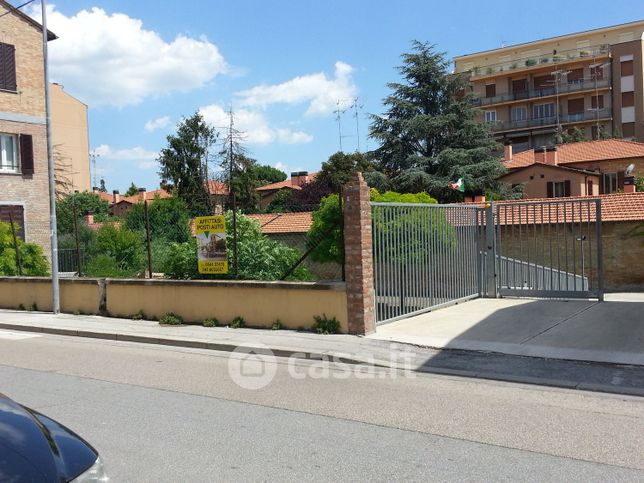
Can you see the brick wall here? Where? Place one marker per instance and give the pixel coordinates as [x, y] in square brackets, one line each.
[358, 248]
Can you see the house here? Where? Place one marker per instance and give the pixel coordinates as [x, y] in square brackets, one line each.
[587, 168]
[70, 140]
[24, 184]
[296, 181]
[219, 194]
[592, 81]
[119, 205]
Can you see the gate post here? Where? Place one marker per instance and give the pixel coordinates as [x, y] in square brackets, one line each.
[358, 255]
[491, 278]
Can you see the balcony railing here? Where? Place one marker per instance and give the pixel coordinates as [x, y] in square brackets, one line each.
[540, 61]
[590, 115]
[564, 88]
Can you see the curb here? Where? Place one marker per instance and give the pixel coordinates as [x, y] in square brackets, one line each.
[337, 357]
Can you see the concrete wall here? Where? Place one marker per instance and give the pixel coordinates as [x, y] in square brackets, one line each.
[70, 138]
[259, 303]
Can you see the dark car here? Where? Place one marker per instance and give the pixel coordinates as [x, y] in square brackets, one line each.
[35, 448]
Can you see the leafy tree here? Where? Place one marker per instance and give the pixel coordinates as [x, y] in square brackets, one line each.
[116, 251]
[377, 180]
[429, 135]
[311, 194]
[132, 190]
[85, 202]
[260, 258]
[184, 162]
[266, 174]
[169, 219]
[574, 135]
[281, 202]
[639, 183]
[338, 168]
[32, 260]
[245, 183]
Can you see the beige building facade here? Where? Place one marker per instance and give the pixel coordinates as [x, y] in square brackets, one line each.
[592, 81]
[23, 139]
[70, 140]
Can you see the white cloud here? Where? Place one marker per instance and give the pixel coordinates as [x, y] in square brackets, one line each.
[110, 59]
[319, 91]
[158, 123]
[254, 126]
[143, 158]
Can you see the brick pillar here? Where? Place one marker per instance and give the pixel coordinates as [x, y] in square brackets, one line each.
[358, 249]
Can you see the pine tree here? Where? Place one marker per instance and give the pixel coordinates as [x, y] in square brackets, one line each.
[429, 135]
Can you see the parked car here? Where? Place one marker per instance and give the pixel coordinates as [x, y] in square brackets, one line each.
[35, 448]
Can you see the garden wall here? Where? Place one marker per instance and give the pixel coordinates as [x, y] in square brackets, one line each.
[259, 303]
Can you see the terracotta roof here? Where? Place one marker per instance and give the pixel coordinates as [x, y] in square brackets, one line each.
[279, 185]
[148, 195]
[284, 222]
[584, 151]
[552, 166]
[217, 188]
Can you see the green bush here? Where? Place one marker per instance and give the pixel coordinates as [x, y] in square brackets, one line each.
[32, 259]
[170, 319]
[277, 325]
[210, 322]
[169, 220]
[140, 315]
[117, 252]
[84, 202]
[324, 325]
[238, 323]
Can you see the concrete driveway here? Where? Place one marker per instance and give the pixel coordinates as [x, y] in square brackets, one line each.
[612, 331]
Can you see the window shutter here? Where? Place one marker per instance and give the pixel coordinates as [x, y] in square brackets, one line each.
[551, 189]
[26, 154]
[7, 67]
[567, 188]
[620, 180]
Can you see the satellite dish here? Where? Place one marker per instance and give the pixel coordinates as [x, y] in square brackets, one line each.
[630, 169]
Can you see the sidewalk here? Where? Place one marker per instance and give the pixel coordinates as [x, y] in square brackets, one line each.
[339, 348]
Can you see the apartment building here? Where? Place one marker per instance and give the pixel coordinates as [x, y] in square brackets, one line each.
[70, 140]
[531, 92]
[23, 136]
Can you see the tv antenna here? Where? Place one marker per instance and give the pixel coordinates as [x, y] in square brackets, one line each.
[357, 108]
[629, 169]
[93, 157]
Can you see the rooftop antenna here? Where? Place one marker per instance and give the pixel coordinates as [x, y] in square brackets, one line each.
[356, 108]
[93, 157]
[338, 118]
[629, 169]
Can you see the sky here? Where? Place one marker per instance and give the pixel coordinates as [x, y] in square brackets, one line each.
[284, 67]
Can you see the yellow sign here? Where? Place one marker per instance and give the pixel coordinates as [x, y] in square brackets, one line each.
[211, 244]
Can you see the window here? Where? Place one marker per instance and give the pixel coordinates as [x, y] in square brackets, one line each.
[558, 189]
[609, 183]
[543, 81]
[597, 102]
[576, 76]
[597, 72]
[9, 153]
[628, 99]
[543, 111]
[519, 85]
[628, 129]
[15, 213]
[576, 106]
[589, 188]
[7, 67]
[626, 68]
[490, 116]
[490, 90]
[519, 113]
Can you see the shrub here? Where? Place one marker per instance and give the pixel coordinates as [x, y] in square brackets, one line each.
[169, 219]
[32, 259]
[170, 319]
[324, 325]
[210, 322]
[140, 315]
[530, 62]
[85, 202]
[117, 252]
[238, 323]
[277, 325]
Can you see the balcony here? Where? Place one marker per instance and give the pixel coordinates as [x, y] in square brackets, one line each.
[601, 114]
[541, 61]
[564, 88]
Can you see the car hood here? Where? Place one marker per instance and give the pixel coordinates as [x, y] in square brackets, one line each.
[36, 448]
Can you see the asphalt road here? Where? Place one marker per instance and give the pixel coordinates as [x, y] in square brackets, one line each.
[169, 414]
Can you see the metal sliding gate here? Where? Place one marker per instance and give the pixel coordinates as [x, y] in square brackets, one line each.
[427, 256]
[549, 248]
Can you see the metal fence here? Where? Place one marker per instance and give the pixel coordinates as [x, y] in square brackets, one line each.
[425, 256]
[68, 260]
[549, 248]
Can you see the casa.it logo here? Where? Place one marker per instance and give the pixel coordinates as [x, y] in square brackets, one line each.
[252, 368]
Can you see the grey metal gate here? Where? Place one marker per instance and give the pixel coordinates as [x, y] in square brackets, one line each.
[548, 248]
[425, 256]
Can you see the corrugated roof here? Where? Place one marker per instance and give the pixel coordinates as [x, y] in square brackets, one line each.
[284, 222]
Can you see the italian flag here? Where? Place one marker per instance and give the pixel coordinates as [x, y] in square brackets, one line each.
[459, 186]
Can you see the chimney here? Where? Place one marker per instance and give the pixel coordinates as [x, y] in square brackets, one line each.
[629, 184]
[551, 155]
[540, 155]
[299, 178]
[507, 148]
[141, 195]
[95, 189]
[116, 197]
[89, 218]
